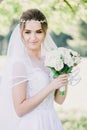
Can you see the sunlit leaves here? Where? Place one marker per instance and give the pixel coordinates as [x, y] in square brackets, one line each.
[59, 13]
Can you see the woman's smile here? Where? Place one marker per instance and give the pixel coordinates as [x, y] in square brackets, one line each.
[33, 43]
[33, 35]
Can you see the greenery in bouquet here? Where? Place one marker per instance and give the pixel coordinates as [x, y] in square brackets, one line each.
[62, 61]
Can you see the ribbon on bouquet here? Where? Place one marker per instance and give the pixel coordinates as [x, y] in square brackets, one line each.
[74, 79]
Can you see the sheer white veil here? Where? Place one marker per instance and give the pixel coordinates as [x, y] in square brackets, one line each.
[17, 49]
[17, 66]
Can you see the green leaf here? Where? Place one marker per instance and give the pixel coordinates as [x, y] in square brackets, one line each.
[55, 75]
[53, 69]
[69, 70]
[65, 70]
[61, 93]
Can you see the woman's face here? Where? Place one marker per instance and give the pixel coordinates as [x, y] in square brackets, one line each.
[33, 35]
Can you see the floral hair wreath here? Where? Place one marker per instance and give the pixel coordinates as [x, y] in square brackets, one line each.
[25, 21]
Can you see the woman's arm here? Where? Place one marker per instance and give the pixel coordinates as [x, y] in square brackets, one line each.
[23, 105]
[63, 81]
[58, 98]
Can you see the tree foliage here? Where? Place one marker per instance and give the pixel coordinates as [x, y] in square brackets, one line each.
[62, 15]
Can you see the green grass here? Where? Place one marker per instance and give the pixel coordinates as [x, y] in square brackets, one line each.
[73, 119]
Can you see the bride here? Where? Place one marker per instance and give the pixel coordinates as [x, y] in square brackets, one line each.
[27, 89]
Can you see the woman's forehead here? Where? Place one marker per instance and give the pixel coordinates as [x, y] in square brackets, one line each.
[33, 25]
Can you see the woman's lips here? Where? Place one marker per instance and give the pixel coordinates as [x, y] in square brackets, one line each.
[33, 43]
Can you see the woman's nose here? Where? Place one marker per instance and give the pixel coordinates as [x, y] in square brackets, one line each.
[33, 36]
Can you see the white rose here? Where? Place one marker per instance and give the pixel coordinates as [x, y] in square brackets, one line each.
[53, 59]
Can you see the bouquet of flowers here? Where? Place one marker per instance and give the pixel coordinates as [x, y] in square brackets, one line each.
[62, 61]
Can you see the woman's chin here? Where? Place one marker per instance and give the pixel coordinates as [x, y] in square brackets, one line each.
[34, 48]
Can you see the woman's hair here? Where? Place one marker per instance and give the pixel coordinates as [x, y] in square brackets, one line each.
[33, 14]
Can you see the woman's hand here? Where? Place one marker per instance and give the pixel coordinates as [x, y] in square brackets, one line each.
[60, 81]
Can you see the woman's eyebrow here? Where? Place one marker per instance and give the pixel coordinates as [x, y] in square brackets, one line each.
[39, 30]
[31, 30]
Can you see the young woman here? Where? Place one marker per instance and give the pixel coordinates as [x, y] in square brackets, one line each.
[29, 83]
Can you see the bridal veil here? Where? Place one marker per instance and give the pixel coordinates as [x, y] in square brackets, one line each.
[15, 72]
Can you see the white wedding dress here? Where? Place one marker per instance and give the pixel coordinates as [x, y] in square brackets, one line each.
[44, 116]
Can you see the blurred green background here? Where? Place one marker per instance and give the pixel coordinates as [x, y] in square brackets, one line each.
[67, 21]
[68, 27]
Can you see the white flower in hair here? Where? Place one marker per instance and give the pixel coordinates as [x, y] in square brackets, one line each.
[26, 21]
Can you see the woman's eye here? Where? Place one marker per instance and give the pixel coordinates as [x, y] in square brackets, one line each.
[39, 31]
[27, 32]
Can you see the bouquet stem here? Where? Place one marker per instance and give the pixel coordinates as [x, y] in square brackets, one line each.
[62, 91]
